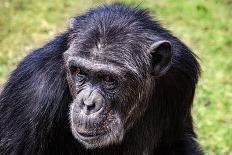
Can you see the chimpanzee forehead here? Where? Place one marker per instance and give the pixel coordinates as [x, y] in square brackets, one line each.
[114, 35]
[115, 30]
[118, 46]
[117, 57]
[128, 56]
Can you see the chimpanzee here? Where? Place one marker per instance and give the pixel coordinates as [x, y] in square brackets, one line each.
[115, 82]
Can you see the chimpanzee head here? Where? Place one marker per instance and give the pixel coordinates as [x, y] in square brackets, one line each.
[115, 56]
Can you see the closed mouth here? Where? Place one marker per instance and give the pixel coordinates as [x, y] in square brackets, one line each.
[88, 135]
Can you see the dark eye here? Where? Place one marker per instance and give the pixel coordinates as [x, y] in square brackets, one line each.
[109, 78]
[77, 71]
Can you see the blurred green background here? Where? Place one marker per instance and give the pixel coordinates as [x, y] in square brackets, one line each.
[204, 25]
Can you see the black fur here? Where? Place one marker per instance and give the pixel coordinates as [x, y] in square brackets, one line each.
[34, 104]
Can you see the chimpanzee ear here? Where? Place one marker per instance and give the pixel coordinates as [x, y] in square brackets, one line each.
[72, 23]
[161, 53]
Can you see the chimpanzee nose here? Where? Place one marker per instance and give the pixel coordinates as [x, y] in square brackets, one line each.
[92, 103]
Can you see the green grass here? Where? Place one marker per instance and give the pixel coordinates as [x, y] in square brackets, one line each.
[205, 26]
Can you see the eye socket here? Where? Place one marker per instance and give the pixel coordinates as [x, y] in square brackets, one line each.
[109, 78]
[75, 70]
[79, 72]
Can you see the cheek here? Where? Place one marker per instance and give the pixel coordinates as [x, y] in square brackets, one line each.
[135, 105]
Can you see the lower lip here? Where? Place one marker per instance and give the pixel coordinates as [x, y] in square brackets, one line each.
[87, 135]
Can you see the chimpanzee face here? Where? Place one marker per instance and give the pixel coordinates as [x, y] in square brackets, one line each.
[104, 95]
[111, 77]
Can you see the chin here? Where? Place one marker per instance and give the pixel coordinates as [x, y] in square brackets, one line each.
[92, 140]
[99, 141]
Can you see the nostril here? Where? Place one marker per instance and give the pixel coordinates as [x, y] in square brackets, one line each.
[91, 107]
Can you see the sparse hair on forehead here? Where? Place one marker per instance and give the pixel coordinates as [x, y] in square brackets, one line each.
[116, 25]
